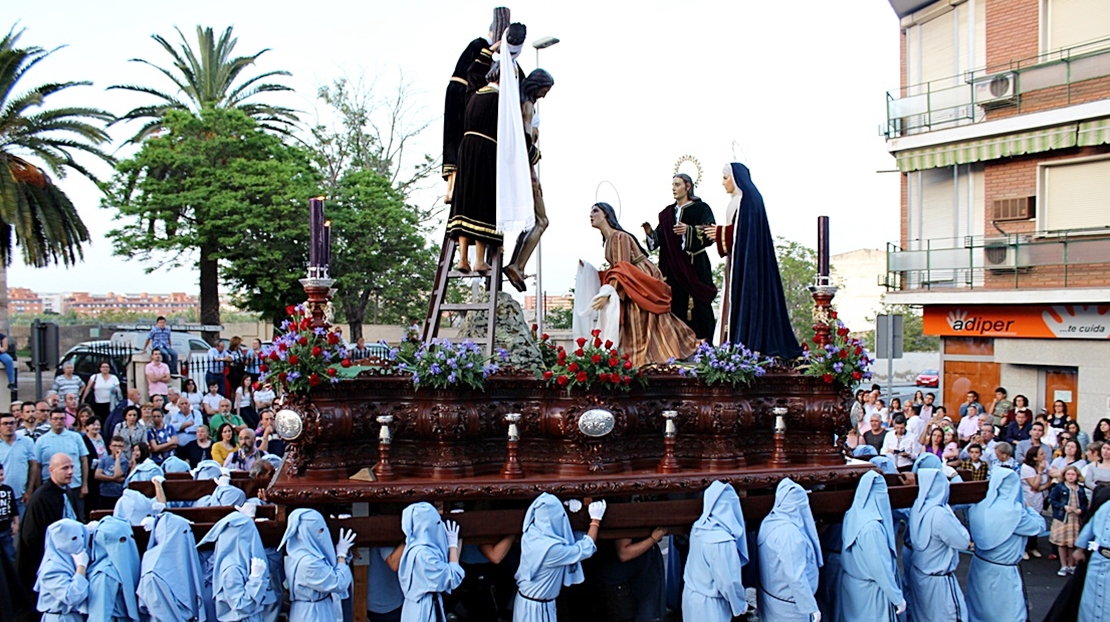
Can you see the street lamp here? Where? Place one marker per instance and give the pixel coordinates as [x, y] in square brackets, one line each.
[540, 44]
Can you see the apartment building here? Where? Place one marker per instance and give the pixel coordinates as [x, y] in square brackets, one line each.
[1001, 133]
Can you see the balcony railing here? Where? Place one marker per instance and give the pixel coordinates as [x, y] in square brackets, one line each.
[1042, 260]
[964, 98]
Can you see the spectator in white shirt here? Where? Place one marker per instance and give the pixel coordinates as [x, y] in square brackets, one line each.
[211, 400]
[902, 446]
[928, 407]
[969, 425]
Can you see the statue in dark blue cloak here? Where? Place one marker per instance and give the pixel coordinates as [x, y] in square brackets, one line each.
[753, 308]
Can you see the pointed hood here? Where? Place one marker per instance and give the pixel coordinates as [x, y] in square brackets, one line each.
[722, 519]
[994, 519]
[171, 565]
[932, 496]
[792, 508]
[424, 534]
[871, 503]
[546, 525]
[116, 556]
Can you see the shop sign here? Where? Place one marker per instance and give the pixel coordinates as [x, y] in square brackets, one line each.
[1028, 321]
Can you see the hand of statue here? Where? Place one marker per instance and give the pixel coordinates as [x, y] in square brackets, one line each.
[599, 303]
[680, 228]
[647, 228]
[709, 230]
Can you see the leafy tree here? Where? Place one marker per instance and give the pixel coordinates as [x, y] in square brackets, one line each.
[34, 213]
[208, 76]
[561, 317]
[379, 254]
[914, 338]
[217, 188]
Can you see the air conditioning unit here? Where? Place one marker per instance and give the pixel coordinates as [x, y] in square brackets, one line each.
[996, 90]
[1000, 253]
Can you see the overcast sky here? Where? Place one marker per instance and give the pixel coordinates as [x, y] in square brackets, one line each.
[795, 90]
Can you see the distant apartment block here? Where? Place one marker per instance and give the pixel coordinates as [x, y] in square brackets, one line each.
[23, 301]
[550, 302]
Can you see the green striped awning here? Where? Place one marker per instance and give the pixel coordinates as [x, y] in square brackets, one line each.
[1037, 141]
[1095, 132]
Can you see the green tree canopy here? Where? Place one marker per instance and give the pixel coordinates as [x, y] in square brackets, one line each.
[216, 189]
[208, 76]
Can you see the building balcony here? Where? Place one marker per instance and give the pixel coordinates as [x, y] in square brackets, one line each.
[1042, 82]
[1074, 265]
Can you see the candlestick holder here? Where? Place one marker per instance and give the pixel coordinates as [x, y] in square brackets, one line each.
[669, 464]
[823, 314]
[383, 470]
[778, 454]
[319, 291]
[512, 469]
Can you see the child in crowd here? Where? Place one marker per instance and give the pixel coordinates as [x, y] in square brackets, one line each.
[1069, 502]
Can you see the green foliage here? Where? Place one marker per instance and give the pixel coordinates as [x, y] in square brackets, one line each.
[561, 318]
[207, 76]
[34, 213]
[216, 189]
[914, 338]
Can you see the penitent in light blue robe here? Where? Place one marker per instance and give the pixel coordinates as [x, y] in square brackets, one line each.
[937, 537]
[869, 557]
[712, 591]
[789, 557]
[63, 594]
[238, 596]
[170, 583]
[1095, 603]
[1000, 524]
[550, 557]
[924, 461]
[317, 581]
[114, 573]
[425, 572]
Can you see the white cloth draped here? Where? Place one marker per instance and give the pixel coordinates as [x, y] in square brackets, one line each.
[515, 210]
[587, 288]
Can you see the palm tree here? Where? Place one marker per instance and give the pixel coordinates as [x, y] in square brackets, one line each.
[34, 213]
[206, 77]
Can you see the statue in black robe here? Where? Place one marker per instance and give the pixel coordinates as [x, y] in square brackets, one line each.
[46, 506]
[683, 259]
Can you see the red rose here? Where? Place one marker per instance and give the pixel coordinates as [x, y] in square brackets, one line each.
[573, 367]
[613, 353]
[596, 359]
[544, 337]
[306, 323]
[274, 356]
[843, 332]
[625, 356]
[333, 339]
[257, 386]
[856, 375]
[317, 350]
[345, 363]
[582, 376]
[562, 381]
[843, 354]
[294, 359]
[289, 309]
[562, 356]
[535, 327]
[613, 362]
[595, 332]
[579, 352]
[608, 344]
[603, 377]
[626, 379]
[597, 342]
[581, 342]
[805, 346]
[282, 347]
[332, 371]
[314, 379]
[858, 351]
[303, 340]
[628, 364]
[828, 378]
[263, 368]
[615, 379]
[282, 376]
[832, 314]
[547, 374]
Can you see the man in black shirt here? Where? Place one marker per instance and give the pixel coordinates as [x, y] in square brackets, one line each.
[874, 437]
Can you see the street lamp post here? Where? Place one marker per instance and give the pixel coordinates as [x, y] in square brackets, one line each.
[540, 44]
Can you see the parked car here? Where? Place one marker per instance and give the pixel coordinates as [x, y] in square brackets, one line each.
[87, 357]
[929, 378]
[186, 344]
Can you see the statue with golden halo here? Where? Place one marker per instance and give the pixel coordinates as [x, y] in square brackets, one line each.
[682, 252]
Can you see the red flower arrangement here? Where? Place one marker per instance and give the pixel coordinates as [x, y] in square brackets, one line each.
[593, 363]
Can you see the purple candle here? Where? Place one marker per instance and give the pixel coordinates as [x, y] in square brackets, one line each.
[326, 259]
[822, 246]
[316, 231]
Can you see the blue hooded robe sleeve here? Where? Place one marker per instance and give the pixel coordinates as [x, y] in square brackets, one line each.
[317, 581]
[789, 557]
[1094, 605]
[114, 573]
[171, 587]
[937, 537]
[712, 588]
[869, 557]
[550, 558]
[425, 572]
[757, 315]
[239, 596]
[1000, 525]
[63, 594]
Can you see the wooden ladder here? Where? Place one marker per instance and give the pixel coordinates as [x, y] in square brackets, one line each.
[444, 273]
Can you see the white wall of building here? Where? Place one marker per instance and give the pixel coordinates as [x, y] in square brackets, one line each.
[1023, 360]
